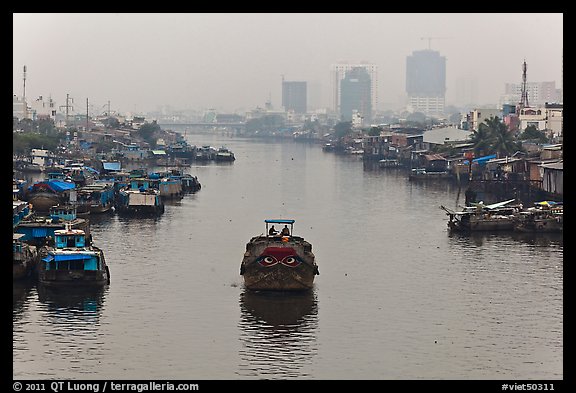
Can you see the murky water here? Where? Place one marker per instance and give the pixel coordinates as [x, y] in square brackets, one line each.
[397, 297]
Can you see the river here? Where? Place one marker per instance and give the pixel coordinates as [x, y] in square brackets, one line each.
[398, 297]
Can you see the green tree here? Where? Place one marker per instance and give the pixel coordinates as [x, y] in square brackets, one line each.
[481, 141]
[342, 129]
[147, 132]
[532, 133]
[502, 140]
[374, 131]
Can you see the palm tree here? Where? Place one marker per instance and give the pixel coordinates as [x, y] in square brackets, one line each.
[481, 140]
[503, 142]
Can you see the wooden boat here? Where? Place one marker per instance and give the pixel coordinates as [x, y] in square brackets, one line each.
[205, 153]
[45, 194]
[72, 261]
[544, 216]
[95, 198]
[24, 257]
[224, 154]
[273, 261]
[140, 197]
[37, 230]
[479, 217]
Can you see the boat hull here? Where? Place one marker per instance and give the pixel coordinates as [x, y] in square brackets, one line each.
[69, 277]
[73, 278]
[278, 264]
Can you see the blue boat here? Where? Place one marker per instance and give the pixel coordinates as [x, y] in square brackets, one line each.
[97, 197]
[47, 193]
[37, 230]
[72, 260]
[141, 197]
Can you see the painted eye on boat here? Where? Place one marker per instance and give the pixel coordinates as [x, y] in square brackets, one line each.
[290, 260]
[269, 260]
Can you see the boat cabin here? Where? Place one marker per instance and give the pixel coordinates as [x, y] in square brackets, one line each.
[278, 232]
[69, 238]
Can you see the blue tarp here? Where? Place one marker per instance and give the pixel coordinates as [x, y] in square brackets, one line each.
[55, 185]
[92, 170]
[481, 160]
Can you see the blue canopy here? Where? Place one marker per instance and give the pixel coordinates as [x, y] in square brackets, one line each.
[72, 257]
[481, 160]
[55, 185]
[279, 221]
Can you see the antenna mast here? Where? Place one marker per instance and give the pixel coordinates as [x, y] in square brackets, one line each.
[524, 99]
[24, 95]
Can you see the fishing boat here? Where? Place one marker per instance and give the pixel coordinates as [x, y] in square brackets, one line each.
[72, 260]
[480, 217]
[278, 261]
[544, 216]
[24, 257]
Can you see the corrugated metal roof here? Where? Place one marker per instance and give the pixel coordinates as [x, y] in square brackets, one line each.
[554, 165]
[111, 166]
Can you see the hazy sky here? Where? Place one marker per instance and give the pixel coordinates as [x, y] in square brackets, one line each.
[234, 62]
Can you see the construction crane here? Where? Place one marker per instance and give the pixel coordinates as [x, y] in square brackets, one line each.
[433, 38]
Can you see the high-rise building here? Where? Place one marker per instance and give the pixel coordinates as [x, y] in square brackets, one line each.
[338, 72]
[294, 96]
[356, 95]
[426, 82]
[539, 93]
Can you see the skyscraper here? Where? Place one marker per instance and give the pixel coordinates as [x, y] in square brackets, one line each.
[337, 74]
[426, 82]
[294, 96]
[356, 94]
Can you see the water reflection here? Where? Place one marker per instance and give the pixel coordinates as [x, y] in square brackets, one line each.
[278, 334]
[21, 291]
[533, 239]
[75, 303]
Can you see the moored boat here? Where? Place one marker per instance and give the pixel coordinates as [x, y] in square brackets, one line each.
[45, 194]
[479, 217]
[24, 257]
[72, 260]
[225, 154]
[545, 216]
[97, 197]
[140, 197]
[278, 261]
[38, 229]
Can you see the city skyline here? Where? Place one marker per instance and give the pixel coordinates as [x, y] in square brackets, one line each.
[235, 62]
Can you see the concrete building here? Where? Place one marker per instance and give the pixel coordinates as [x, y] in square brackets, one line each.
[478, 116]
[426, 82]
[337, 74]
[539, 93]
[355, 96]
[294, 96]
